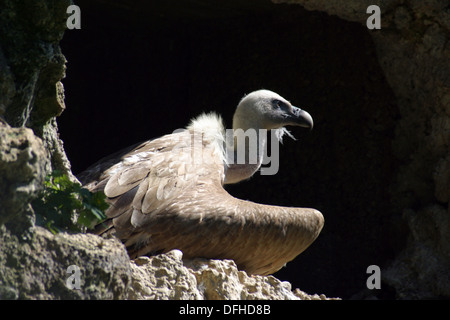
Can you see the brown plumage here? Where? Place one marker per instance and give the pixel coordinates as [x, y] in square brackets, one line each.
[168, 193]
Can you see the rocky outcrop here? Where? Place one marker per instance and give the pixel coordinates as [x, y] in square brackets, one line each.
[38, 267]
[168, 276]
[22, 171]
[34, 262]
[31, 67]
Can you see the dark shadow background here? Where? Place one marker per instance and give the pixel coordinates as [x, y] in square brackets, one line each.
[141, 69]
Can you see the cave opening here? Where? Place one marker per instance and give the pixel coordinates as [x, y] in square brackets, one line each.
[138, 71]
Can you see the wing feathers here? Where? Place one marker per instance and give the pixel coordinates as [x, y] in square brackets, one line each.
[134, 174]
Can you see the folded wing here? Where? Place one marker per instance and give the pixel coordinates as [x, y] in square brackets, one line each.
[168, 194]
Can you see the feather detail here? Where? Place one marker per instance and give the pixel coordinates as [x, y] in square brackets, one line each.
[280, 132]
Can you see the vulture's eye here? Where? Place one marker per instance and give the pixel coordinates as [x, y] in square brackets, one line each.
[277, 104]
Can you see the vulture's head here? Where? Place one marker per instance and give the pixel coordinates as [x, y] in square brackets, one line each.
[264, 109]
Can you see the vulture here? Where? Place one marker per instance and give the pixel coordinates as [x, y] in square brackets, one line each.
[168, 193]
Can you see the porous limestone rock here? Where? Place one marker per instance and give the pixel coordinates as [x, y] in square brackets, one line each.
[37, 267]
[168, 276]
[31, 68]
[22, 171]
[221, 280]
[162, 277]
[33, 262]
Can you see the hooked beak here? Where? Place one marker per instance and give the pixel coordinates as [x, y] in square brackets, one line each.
[301, 118]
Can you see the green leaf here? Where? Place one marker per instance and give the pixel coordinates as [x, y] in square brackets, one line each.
[62, 199]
